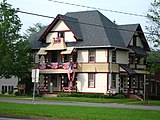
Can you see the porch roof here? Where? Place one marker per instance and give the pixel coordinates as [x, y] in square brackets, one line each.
[42, 51]
[127, 69]
[68, 50]
[138, 50]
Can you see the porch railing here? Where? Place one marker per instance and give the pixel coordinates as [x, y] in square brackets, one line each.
[57, 65]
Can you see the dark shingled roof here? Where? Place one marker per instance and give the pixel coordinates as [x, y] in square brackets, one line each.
[138, 50]
[33, 40]
[73, 24]
[95, 30]
[92, 29]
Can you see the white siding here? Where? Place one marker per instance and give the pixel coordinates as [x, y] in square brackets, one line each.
[13, 81]
[122, 57]
[61, 26]
[101, 55]
[82, 56]
[100, 83]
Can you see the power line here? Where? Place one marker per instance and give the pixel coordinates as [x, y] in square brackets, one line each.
[111, 27]
[108, 10]
[35, 14]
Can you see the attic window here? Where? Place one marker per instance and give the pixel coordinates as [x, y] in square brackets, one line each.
[61, 34]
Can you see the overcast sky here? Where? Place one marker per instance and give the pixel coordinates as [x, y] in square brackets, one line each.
[51, 8]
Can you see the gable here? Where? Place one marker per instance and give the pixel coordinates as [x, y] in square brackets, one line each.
[59, 28]
[137, 40]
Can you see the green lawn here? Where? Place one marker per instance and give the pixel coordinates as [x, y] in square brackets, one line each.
[93, 100]
[77, 112]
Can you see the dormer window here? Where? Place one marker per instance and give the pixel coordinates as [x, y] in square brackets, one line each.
[134, 40]
[61, 34]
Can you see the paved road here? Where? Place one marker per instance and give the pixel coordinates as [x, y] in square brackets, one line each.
[111, 105]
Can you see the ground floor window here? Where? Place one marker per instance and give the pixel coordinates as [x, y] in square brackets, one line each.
[113, 81]
[7, 89]
[91, 80]
[141, 80]
[54, 80]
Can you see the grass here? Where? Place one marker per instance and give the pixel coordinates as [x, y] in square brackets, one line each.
[77, 112]
[92, 100]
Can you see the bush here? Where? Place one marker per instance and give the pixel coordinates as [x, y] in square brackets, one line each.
[119, 96]
[10, 92]
[3, 91]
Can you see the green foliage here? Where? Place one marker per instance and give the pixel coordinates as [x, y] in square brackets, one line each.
[90, 95]
[32, 30]
[154, 62]
[153, 17]
[154, 21]
[14, 49]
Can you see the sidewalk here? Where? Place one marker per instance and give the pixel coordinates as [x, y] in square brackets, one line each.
[110, 105]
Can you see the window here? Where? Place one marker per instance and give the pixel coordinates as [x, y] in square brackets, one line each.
[54, 79]
[141, 80]
[153, 86]
[61, 34]
[10, 89]
[136, 81]
[114, 56]
[91, 80]
[141, 61]
[65, 81]
[134, 40]
[113, 82]
[131, 59]
[91, 55]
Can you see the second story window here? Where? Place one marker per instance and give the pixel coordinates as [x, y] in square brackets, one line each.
[114, 56]
[91, 55]
[61, 34]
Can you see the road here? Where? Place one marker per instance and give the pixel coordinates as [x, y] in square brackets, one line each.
[110, 105]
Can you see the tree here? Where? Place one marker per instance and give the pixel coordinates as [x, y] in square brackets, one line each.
[32, 30]
[14, 48]
[154, 29]
[154, 20]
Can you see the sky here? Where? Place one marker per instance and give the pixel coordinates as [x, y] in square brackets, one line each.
[51, 8]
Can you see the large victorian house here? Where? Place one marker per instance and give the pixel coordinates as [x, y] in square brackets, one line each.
[85, 52]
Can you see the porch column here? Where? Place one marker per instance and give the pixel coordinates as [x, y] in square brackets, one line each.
[62, 82]
[71, 57]
[62, 58]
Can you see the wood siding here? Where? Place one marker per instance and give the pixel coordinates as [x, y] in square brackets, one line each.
[100, 83]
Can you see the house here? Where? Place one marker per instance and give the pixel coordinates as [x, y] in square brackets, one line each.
[7, 86]
[85, 52]
[153, 79]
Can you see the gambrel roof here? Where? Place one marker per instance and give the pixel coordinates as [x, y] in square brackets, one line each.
[91, 28]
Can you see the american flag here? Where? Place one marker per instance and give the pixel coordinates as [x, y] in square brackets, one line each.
[57, 40]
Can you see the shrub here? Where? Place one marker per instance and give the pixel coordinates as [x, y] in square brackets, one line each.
[10, 92]
[119, 96]
[3, 91]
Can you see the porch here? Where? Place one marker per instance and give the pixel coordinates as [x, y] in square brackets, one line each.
[53, 83]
